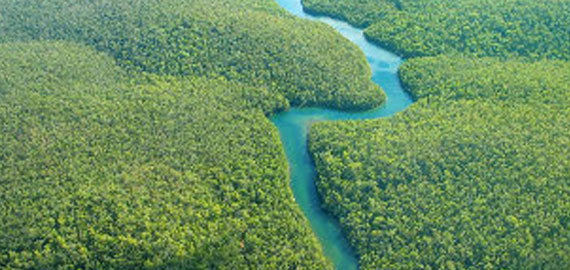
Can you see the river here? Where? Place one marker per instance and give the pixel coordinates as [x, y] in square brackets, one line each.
[294, 124]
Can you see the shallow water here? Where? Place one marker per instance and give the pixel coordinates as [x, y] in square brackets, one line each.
[293, 127]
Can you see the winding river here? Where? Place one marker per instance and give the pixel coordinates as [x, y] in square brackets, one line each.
[293, 127]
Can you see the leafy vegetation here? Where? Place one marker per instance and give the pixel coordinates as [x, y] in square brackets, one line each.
[252, 41]
[513, 81]
[475, 175]
[361, 13]
[134, 133]
[504, 28]
[105, 169]
[461, 185]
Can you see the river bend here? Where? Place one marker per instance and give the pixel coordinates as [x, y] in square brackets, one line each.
[293, 127]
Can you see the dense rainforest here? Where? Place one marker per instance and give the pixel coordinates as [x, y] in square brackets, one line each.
[473, 186]
[497, 28]
[475, 174]
[107, 170]
[252, 41]
[134, 133]
[506, 81]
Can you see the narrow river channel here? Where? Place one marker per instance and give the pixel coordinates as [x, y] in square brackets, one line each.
[293, 126]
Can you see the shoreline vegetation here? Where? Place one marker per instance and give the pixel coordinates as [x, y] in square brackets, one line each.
[289, 56]
[474, 175]
[135, 133]
[104, 168]
[504, 29]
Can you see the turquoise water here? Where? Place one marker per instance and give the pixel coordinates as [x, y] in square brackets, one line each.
[293, 126]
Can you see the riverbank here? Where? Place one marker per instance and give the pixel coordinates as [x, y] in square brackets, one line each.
[294, 125]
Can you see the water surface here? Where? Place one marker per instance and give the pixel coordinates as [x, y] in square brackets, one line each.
[293, 126]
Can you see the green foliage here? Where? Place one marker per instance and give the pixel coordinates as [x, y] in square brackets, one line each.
[361, 13]
[105, 169]
[251, 41]
[503, 28]
[513, 81]
[475, 175]
[460, 185]
[158, 154]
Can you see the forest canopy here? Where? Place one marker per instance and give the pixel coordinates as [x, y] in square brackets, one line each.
[135, 133]
[496, 28]
[455, 185]
[106, 169]
[512, 81]
[252, 41]
[475, 175]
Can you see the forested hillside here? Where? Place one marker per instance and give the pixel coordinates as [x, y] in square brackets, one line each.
[251, 41]
[475, 175]
[102, 169]
[134, 133]
[503, 28]
[512, 81]
[461, 185]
